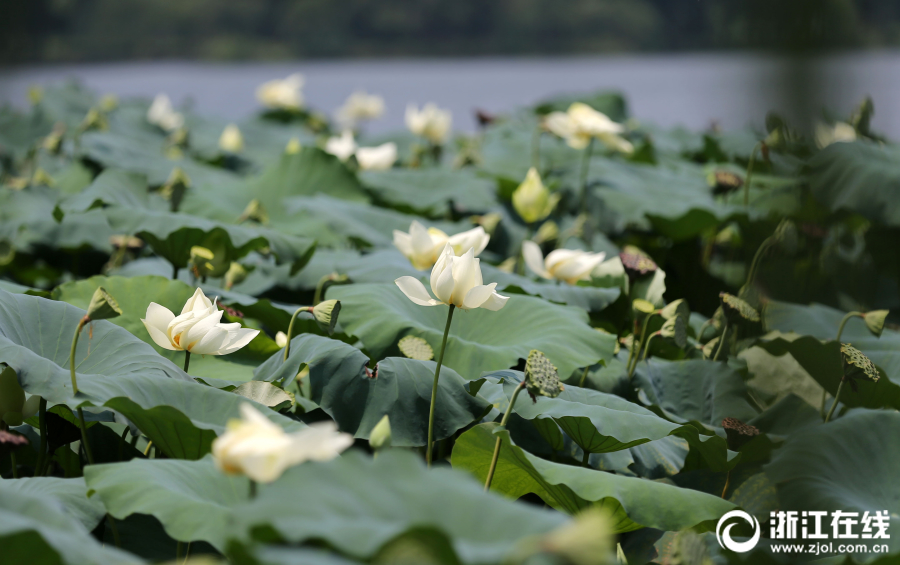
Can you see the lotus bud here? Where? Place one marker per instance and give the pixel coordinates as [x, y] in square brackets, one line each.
[281, 339]
[541, 376]
[416, 348]
[547, 232]
[12, 398]
[53, 142]
[676, 308]
[40, 177]
[236, 275]
[737, 310]
[103, 306]
[94, 120]
[326, 314]
[380, 437]
[201, 261]
[875, 321]
[293, 146]
[231, 140]
[738, 433]
[255, 212]
[729, 236]
[488, 221]
[532, 201]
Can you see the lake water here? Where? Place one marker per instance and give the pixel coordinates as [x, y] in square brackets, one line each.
[692, 90]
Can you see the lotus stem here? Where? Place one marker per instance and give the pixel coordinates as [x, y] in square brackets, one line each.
[84, 436]
[840, 331]
[722, 339]
[290, 332]
[253, 489]
[754, 265]
[434, 387]
[114, 530]
[15, 465]
[42, 418]
[640, 345]
[647, 346]
[837, 396]
[320, 288]
[727, 481]
[583, 175]
[583, 377]
[147, 449]
[187, 360]
[750, 173]
[586, 459]
[503, 421]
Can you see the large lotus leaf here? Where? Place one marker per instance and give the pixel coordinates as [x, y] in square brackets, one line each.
[633, 502]
[359, 222]
[507, 149]
[309, 172]
[604, 423]
[172, 235]
[590, 298]
[192, 499]
[115, 187]
[849, 464]
[861, 177]
[695, 389]
[136, 293]
[388, 496]
[479, 340]
[71, 493]
[19, 132]
[281, 555]
[36, 527]
[115, 369]
[399, 388]
[431, 192]
[26, 220]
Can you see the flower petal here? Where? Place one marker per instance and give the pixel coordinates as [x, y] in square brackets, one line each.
[159, 337]
[494, 302]
[238, 339]
[478, 296]
[415, 291]
[531, 252]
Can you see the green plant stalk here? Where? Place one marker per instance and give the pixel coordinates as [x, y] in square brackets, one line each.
[320, 288]
[187, 360]
[583, 377]
[754, 265]
[253, 489]
[290, 332]
[15, 466]
[640, 345]
[749, 175]
[496, 457]
[647, 347]
[84, 436]
[434, 387]
[586, 459]
[727, 482]
[837, 396]
[722, 339]
[840, 331]
[583, 175]
[42, 418]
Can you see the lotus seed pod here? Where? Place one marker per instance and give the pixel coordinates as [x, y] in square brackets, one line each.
[642, 308]
[416, 348]
[236, 274]
[103, 306]
[875, 321]
[636, 262]
[12, 397]
[541, 377]
[738, 433]
[326, 314]
[676, 308]
[737, 310]
[724, 182]
[380, 437]
[857, 365]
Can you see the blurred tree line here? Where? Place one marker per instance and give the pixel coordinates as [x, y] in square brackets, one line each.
[93, 30]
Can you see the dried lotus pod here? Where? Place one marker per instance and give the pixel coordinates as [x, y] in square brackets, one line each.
[724, 182]
[541, 376]
[636, 263]
[857, 365]
[737, 310]
[416, 348]
[738, 432]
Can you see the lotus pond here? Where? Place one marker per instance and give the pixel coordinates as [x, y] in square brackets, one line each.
[284, 341]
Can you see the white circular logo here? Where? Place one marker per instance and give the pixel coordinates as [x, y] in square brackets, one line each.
[724, 536]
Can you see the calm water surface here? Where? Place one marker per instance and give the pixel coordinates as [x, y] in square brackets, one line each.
[690, 90]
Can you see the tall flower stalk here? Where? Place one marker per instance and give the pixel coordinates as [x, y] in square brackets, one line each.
[434, 386]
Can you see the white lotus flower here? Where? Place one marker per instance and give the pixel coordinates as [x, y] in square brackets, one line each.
[358, 107]
[430, 122]
[580, 123]
[570, 265]
[377, 158]
[342, 146]
[840, 132]
[454, 281]
[163, 115]
[423, 246]
[231, 140]
[198, 329]
[260, 449]
[282, 94]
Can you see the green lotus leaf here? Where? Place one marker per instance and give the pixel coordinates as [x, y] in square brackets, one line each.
[379, 314]
[431, 192]
[634, 503]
